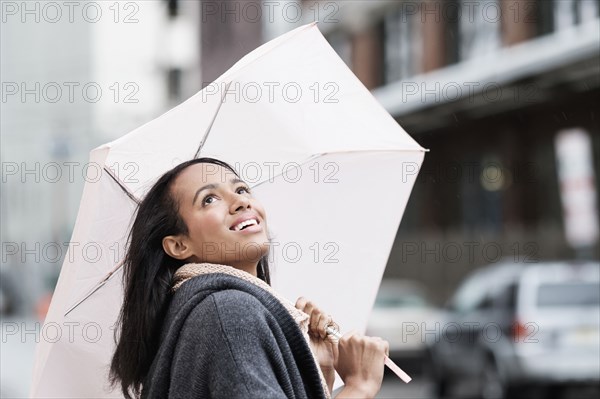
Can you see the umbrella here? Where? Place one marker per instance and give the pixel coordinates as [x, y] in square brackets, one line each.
[332, 168]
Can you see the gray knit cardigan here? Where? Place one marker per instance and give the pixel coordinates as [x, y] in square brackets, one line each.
[224, 337]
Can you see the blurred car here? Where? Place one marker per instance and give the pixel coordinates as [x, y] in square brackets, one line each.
[401, 312]
[513, 328]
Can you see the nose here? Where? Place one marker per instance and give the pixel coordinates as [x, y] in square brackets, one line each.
[240, 202]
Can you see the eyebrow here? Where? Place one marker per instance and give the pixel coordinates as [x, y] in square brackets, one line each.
[212, 186]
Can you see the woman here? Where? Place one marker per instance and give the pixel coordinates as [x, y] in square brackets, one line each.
[199, 318]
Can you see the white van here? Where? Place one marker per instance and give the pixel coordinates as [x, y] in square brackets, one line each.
[510, 327]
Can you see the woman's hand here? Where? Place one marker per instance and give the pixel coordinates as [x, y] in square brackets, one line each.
[361, 363]
[324, 348]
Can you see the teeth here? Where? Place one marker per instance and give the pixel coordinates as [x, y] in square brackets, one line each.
[244, 224]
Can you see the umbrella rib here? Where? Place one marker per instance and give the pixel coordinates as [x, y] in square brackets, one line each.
[125, 190]
[110, 273]
[212, 122]
[315, 156]
[96, 288]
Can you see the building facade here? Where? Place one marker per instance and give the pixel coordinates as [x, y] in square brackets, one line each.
[487, 86]
[75, 76]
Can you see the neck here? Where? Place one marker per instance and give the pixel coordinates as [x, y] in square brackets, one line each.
[251, 267]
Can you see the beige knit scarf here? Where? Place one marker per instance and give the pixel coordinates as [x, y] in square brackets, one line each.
[190, 270]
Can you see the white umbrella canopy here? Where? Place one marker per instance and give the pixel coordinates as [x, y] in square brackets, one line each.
[332, 168]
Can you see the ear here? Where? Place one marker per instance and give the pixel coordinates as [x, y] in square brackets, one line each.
[177, 247]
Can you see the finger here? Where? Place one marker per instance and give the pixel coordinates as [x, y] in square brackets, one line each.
[308, 307]
[336, 353]
[323, 323]
[349, 335]
[301, 303]
[315, 319]
[383, 346]
[378, 341]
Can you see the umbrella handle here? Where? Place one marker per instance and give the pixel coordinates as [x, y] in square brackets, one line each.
[388, 362]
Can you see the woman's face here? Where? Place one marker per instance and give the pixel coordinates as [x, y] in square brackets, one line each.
[213, 202]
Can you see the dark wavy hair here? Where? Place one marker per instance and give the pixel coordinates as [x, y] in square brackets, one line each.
[147, 274]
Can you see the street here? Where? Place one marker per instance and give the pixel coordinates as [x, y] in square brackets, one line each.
[394, 388]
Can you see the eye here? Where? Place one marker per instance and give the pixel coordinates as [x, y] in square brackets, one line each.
[204, 200]
[245, 188]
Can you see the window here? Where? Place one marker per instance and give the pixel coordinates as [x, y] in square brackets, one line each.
[568, 13]
[565, 14]
[588, 10]
[507, 298]
[479, 28]
[556, 15]
[482, 191]
[174, 84]
[402, 45]
[342, 46]
[568, 294]
[452, 17]
[172, 8]
[471, 293]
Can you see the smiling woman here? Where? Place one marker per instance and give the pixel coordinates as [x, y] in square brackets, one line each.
[199, 317]
[216, 206]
